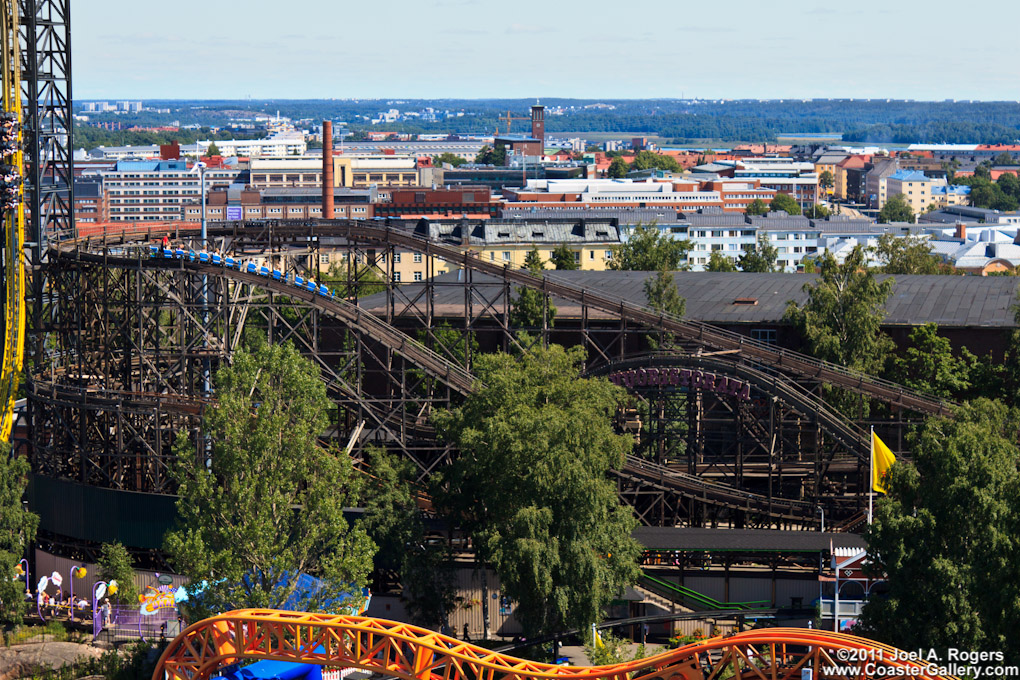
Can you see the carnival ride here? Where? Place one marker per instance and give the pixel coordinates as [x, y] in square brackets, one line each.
[13, 211]
[405, 651]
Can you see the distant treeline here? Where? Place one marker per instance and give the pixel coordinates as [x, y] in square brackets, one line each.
[750, 120]
[87, 137]
[947, 132]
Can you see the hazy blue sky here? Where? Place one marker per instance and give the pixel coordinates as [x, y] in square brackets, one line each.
[553, 48]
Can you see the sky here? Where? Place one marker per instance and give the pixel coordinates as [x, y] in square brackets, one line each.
[593, 49]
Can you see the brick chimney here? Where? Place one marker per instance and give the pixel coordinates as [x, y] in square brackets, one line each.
[327, 170]
[961, 231]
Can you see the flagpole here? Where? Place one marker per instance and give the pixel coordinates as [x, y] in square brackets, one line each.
[871, 473]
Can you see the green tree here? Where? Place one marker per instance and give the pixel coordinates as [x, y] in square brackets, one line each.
[618, 168]
[1003, 158]
[530, 485]
[664, 297]
[928, 364]
[647, 160]
[17, 533]
[649, 250]
[393, 520]
[447, 157]
[115, 565]
[532, 308]
[757, 207]
[907, 255]
[213, 150]
[491, 156]
[762, 257]
[817, 212]
[947, 537]
[826, 180]
[563, 258]
[841, 319]
[896, 209]
[786, 203]
[269, 502]
[717, 262]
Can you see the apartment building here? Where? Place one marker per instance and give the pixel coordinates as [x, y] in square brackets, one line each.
[658, 193]
[356, 172]
[237, 203]
[152, 191]
[876, 182]
[783, 175]
[915, 187]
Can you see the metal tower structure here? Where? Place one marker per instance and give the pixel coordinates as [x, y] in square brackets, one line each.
[46, 89]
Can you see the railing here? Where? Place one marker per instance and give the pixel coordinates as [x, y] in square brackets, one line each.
[679, 594]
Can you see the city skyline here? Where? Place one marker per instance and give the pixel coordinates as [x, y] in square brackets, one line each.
[473, 49]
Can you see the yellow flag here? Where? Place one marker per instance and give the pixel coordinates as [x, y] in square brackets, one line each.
[881, 460]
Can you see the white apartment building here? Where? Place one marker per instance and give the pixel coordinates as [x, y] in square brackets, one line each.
[150, 191]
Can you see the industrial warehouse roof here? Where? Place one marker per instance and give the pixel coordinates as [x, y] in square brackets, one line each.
[742, 540]
[951, 301]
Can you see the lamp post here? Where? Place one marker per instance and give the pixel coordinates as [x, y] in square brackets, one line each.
[24, 565]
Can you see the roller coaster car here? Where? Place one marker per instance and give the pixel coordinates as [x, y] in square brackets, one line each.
[180, 253]
[230, 262]
[216, 259]
[203, 257]
[310, 285]
[264, 271]
[168, 254]
[324, 291]
[153, 250]
[298, 281]
[277, 275]
[251, 268]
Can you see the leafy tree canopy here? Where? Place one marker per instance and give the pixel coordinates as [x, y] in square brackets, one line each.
[270, 502]
[928, 364]
[757, 207]
[717, 262]
[536, 444]
[618, 168]
[532, 308]
[664, 297]
[826, 180]
[761, 257]
[492, 156]
[947, 537]
[115, 565]
[563, 258]
[896, 209]
[647, 160]
[907, 255]
[447, 157]
[786, 203]
[841, 318]
[650, 250]
[17, 532]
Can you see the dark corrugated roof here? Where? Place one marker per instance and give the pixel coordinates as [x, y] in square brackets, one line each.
[946, 300]
[743, 540]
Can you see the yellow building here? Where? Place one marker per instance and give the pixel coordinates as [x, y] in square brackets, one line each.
[828, 163]
[501, 242]
[916, 187]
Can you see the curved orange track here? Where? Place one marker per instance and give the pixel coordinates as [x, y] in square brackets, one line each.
[405, 651]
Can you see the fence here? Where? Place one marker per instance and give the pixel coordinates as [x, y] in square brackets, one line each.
[128, 623]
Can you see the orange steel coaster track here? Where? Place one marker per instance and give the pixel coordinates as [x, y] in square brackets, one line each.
[405, 651]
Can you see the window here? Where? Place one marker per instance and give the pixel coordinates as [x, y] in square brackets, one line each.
[396, 277]
[492, 256]
[609, 254]
[591, 254]
[417, 276]
[323, 258]
[506, 255]
[417, 258]
[396, 258]
[766, 335]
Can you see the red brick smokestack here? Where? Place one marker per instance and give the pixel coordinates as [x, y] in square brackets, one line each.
[327, 169]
